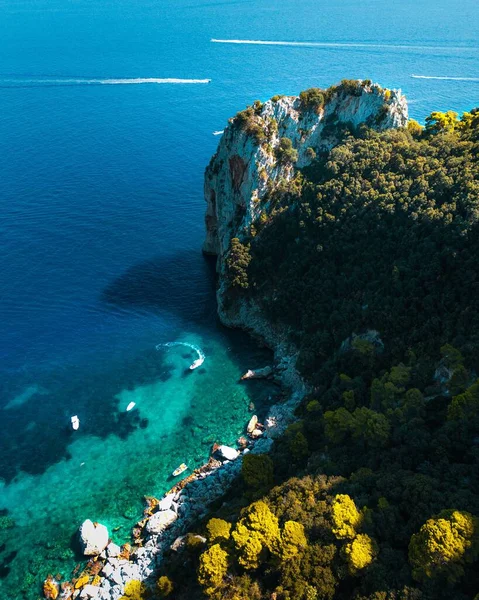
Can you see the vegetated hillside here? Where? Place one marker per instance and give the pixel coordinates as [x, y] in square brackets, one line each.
[370, 257]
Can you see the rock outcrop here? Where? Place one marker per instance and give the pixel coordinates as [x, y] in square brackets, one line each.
[246, 164]
[93, 538]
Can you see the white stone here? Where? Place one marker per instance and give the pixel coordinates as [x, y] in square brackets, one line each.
[116, 577]
[160, 521]
[227, 453]
[89, 592]
[93, 538]
[256, 433]
[107, 570]
[252, 424]
[113, 550]
[166, 502]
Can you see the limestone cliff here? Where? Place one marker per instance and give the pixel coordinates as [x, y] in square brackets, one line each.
[248, 165]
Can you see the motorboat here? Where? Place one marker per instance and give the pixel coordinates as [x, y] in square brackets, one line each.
[181, 469]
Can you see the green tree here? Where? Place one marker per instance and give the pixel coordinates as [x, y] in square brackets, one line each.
[466, 405]
[360, 553]
[338, 424]
[212, 569]
[346, 517]
[371, 427]
[439, 122]
[218, 530]
[237, 262]
[256, 533]
[293, 540]
[164, 586]
[257, 472]
[285, 152]
[443, 545]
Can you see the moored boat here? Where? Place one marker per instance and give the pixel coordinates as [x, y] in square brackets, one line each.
[181, 469]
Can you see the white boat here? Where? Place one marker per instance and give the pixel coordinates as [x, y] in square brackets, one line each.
[75, 421]
[181, 469]
[198, 362]
[130, 406]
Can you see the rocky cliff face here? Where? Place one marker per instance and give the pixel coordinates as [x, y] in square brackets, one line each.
[245, 165]
[248, 165]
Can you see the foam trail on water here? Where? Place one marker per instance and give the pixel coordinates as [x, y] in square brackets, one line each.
[197, 363]
[441, 78]
[135, 81]
[340, 45]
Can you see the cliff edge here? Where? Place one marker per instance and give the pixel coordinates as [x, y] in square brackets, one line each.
[263, 147]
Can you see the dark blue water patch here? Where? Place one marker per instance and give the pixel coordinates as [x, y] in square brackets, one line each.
[36, 434]
[182, 283]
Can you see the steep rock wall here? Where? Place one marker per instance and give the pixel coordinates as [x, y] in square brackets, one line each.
[247, 166]
[243, 170]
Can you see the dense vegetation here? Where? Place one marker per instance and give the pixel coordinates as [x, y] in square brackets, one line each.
[369, 260]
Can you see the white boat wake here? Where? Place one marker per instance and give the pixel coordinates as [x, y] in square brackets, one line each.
[194, 365]
[68, 82]
[341, 45]
[442, 78]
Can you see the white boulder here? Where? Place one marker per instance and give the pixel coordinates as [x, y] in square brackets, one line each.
[252, 424]
[93, 538]
[113, 550]
[89, 592]
[167, 502]
[160, 521]
[227, 453]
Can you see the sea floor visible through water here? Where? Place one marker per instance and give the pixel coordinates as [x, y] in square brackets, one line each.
[103, 470]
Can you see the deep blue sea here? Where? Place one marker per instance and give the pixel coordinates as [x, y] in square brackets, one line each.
[101, 226]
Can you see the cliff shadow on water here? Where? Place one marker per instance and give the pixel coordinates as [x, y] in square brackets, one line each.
[182, 284]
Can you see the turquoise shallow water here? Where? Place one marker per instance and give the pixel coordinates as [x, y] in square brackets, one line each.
[102, 223]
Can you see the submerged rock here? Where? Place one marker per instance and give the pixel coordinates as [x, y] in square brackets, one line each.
[263, 373]
[93, 538]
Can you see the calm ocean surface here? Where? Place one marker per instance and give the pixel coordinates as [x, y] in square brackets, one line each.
[101, 226]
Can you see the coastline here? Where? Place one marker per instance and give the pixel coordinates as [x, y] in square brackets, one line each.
[167, 519]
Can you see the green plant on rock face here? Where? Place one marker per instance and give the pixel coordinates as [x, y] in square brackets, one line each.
[237, 263]
[312, 99]
[134, 590]
[285, 153]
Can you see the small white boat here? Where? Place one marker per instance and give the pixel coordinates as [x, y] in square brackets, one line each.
[181, 469]
[130, 406]
[75, 421]
[198, 362]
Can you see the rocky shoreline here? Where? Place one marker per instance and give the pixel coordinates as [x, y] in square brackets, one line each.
[167, 520]
[236, 192]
